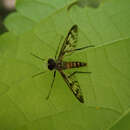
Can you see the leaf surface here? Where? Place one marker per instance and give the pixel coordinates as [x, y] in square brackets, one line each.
[106, 90]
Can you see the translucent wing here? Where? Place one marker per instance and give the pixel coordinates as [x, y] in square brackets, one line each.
[73, 85]
[69, 42]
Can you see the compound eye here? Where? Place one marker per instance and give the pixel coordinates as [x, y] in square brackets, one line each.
[49, 61]
[51, 64]
[50, 67]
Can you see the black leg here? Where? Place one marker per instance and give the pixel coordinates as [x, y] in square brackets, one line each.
[54, 75]
[80, 48]
[58, 47]
[78, 72]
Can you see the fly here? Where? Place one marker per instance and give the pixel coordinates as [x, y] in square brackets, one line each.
[58, 64]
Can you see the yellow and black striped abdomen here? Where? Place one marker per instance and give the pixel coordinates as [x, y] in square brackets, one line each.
[69, 65]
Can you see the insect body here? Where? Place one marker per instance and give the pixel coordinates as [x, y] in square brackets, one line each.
[58, 64]
[52, 64]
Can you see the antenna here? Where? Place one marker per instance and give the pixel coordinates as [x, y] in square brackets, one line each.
[38, 74]
[37, 57]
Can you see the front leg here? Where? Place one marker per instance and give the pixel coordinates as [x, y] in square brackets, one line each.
[78, 72]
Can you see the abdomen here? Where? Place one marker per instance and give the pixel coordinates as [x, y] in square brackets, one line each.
[69, 65]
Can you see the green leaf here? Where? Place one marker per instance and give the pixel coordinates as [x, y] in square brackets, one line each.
[122, 122]
[30, 12]
[84, 3]
[106, 91]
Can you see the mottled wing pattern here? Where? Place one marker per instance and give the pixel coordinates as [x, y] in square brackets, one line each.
[69, 42]
[73, 85]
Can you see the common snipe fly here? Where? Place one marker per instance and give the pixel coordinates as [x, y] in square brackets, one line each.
[58, 64]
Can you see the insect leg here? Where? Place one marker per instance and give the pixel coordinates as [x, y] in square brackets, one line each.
[78, 72]
[58, 47]
[80, 48]
[54, 75]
